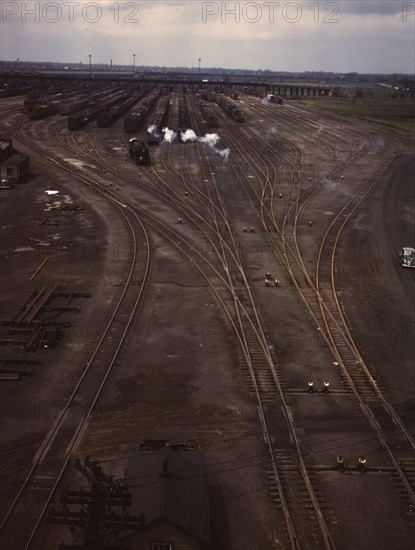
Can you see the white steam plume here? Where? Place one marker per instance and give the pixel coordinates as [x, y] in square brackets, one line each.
[188, 135]
[319, 130]
[168, 135]
[208, 139]
[154, 133]
[271, 131]
[153, 130]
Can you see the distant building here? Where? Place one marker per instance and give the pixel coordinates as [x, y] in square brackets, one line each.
[15, 167]
[169, 487]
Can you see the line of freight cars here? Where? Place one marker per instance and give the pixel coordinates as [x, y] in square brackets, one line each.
[134, 122]
[91, 113]
[231, 108]
[47, 104]
[107, 117]
[41, 107]
[43, 110]
[184, 118]
[12, 89]
[208, 115]
[161, 119]
[232, 94]
[72, 105]
[104, 117]
[206, 96]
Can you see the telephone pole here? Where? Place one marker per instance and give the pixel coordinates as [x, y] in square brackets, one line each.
[98, 524]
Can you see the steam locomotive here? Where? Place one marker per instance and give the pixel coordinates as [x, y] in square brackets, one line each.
[139, 151]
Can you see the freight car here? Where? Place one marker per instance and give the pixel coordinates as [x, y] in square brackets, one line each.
[134, 122]
[209, 116]
[69, 107]
[43, 110]
[105, 118]
[111, 109]
[231, 108]
[36, 101]
[208, 96]
[79, 119]
[160, 121]
[184, 118]
[139, 152]
[232, 95]
[13, 90]
[274, 99]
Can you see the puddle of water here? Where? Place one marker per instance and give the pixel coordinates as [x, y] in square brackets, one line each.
[24, 249]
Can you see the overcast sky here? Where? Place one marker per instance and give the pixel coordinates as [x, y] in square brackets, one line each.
[367, 36]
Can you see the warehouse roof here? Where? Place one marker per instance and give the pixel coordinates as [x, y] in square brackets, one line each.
[16, 160]
[171, 485]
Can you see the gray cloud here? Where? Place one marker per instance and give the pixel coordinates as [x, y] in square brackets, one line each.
[344, 36]
[370, 7]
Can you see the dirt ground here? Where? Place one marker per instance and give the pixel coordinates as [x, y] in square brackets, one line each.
[180, 374]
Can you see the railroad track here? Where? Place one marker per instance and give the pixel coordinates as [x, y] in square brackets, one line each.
[294, 206]
[53, 456]
[322, 302]
[267, 389]
[287, 488]
[239, 307]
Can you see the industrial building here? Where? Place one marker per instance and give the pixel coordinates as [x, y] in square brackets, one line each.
[169, 487]
[15, 167]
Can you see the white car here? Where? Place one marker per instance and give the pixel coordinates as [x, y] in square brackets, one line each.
[6, 183]
[407, 257]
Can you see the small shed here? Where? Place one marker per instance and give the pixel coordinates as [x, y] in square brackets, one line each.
[169, 487]
[15, 167]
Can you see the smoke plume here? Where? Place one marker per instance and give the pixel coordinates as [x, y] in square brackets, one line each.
[210, 140]
[168, 135]
[188, 135]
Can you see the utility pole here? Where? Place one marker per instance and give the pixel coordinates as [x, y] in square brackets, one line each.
[90, 66]
[134, 61]
[199, 64]
[98, 524]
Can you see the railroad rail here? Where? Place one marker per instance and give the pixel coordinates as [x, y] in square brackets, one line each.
[241, 311]
[203, 208]
[56, 450]
[327, 314]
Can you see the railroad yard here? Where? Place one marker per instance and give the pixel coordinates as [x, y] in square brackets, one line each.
[219, 270]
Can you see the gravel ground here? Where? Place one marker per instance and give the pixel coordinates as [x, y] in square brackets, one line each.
[181, 375]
